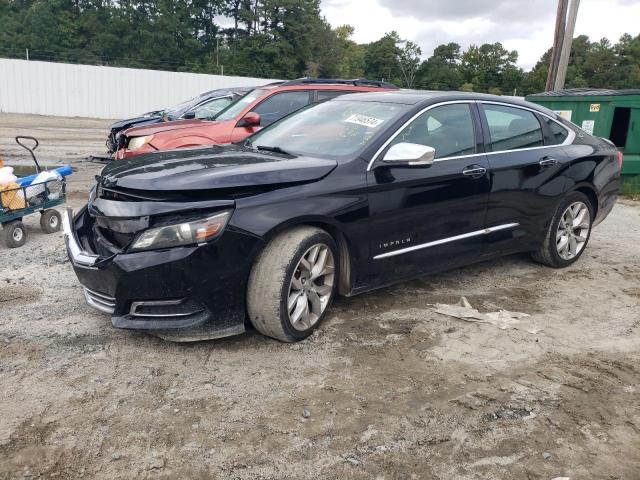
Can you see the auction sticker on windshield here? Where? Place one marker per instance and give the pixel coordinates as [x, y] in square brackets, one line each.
[364, 120]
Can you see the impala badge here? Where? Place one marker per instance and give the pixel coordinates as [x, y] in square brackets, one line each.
[395, 243]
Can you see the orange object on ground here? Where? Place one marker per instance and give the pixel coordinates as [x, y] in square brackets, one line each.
[12, 196]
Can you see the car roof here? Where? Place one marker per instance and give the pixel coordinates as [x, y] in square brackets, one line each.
[427, 97]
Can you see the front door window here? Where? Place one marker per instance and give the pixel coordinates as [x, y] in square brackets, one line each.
[448, 129]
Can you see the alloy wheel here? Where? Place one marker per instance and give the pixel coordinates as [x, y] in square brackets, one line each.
[573, 230]
[311, 287]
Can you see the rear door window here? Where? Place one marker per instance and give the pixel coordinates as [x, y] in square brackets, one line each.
[280, 105]
[512, 128]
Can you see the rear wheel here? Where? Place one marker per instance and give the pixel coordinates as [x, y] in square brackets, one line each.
[292, 284]
[50, 221]
[568, 233]
[15, 235]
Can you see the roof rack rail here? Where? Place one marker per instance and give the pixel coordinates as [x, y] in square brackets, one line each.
[273, 84]
[339, 81]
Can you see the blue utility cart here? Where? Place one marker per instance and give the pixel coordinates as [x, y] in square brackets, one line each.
[42, 197]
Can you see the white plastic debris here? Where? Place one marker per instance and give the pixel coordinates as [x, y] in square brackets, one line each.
[37, 186]
[7, 176]
[503, 319]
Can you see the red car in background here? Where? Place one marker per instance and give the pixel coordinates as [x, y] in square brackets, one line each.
[257, 109]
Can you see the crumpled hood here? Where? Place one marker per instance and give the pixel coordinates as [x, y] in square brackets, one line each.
[135, 122]
[214, 167]
[164, 126]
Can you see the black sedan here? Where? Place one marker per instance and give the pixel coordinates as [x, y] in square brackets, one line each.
[204, 106]
[339, 198]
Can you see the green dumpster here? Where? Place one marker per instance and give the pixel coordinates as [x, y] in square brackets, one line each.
[612, 114]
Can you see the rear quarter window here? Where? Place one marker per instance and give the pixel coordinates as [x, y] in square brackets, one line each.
[558, 133]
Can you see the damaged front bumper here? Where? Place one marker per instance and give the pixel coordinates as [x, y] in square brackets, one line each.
[185, 293]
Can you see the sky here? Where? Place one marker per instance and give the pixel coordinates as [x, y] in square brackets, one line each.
[525, 26]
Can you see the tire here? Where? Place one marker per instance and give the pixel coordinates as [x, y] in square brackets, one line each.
[279, 274]
[555, 252]
[50, 221]
[15, 235]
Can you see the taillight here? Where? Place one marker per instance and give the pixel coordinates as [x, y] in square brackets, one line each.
[620, 159]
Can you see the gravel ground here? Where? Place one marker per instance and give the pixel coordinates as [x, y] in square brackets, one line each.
[386, 389]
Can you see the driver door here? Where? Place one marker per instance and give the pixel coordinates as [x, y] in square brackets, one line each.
[428, 218]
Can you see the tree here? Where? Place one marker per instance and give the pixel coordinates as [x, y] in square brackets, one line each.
[409, 60]
[381, 58]
[627, 51]
[491, 66]
[283, 39]
[441, 71]
[341, 56]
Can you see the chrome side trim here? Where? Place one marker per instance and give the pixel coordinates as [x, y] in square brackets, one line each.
[78, 256]
[442, 241]
[100, 301]
[568, 141]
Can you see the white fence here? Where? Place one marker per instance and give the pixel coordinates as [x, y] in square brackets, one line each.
[69, 90]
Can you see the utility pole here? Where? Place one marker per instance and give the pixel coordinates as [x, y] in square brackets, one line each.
[561, 74]
[27, 54]
[561, 16]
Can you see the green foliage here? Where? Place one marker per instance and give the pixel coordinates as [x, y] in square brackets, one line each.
[441, 71]
[283, 39]
[381, 58]
[490, 67]
[409, 61]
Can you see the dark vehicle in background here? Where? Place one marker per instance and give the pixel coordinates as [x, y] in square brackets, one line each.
[341, 197]
[259, 108]
[204, 106]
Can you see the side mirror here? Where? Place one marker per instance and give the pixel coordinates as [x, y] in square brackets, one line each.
[410, 154]
[251, 119]
[189, 115]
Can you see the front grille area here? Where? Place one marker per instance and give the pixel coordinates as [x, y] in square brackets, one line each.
[100, 301]
[119, 240]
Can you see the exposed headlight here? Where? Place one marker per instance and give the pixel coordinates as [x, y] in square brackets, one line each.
[137, 142]
[189, 233]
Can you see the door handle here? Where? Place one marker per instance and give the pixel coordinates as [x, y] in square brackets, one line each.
[475, 171]
[548, 162]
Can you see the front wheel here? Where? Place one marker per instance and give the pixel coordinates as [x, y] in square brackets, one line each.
[292, 284]
[568, 233]
[15, 235]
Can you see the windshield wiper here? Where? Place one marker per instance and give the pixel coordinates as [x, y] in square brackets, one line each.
[274, 149]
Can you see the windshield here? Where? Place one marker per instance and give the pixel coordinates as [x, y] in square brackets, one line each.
[330, 129]
[177, 110]
[239, 105]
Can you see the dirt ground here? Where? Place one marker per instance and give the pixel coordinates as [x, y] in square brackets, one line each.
[386, 389]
